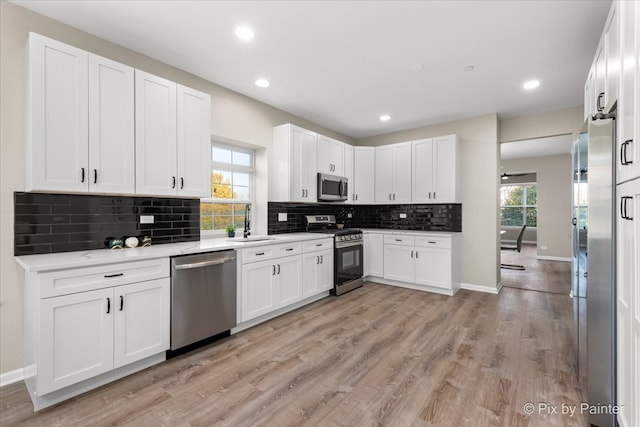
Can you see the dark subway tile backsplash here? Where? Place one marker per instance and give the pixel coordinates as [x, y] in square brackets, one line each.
[445, 217]
[48, 223]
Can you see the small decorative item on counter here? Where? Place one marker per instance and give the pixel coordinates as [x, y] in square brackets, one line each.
[131, 242]
[115, 244]
[146, 241]
[231, 230]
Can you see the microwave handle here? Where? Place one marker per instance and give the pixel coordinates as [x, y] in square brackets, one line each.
[343, 189]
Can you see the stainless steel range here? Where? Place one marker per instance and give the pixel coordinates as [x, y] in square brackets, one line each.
[348, 252]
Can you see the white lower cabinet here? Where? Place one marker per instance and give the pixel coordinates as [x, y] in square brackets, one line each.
[86, 334]
[258, 289]
[106, 321]
[317, 272]
[421, 261]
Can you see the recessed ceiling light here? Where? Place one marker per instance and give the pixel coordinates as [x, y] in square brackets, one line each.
[385, 118]
[469, 68]
[244, 33]
[417, 67]
[263, 83]
[531, 84]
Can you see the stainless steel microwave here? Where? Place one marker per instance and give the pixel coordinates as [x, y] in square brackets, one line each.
[332, 188]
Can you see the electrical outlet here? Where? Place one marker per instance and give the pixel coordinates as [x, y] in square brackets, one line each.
[146, 219]
[349, 215]
[403, 215]
[544, 247]
[282, 216]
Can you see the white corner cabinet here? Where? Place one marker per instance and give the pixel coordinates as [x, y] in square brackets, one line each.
[88, 326]
[435, 170]
[293, 168]
[95, 126]
[419, 260]
[276, 278]
[393, 173]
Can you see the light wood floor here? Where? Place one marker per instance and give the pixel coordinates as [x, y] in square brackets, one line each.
[543, 276]
[379, 355]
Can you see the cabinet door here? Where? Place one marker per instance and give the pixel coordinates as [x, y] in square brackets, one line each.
[446, 170]
[590, 95]
[324, 275]
[310, 264]
[303, 165]
[628, 121]
[76, 338]
[433, 267]
[374, 255]
[193, 142]
[57, 142]
[258, 289]
[402, 173]
[156, 151]
[384, 174]
[422, 170]
[337, 157]
[628, 304]
[324, 155]
[364, 175]
[600, 76]
[348, 172]
[142, 316]
[399, 263]
[111, 127]
[612, 57]
[289, 277]
[309, 164]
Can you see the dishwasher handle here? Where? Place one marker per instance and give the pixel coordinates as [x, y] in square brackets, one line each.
[204, 263]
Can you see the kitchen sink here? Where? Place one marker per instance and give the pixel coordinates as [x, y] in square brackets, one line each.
[251, 239]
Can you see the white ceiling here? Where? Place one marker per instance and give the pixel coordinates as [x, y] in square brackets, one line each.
[537, 147]
[342, 64]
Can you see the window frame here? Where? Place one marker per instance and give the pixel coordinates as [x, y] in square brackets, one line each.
[524, 205]
[230, 167]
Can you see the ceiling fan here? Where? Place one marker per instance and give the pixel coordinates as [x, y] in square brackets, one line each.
[505, 175]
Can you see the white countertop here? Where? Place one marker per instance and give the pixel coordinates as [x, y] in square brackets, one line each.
[64, 260]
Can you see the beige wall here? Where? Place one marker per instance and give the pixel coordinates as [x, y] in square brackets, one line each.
[234, 117]
[554, 200]
[479, 185]
[560, 122]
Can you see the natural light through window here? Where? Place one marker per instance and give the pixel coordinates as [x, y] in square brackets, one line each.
[232, 170]
[518, 205]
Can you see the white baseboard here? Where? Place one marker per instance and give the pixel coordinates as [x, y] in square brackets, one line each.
[482, 288]
[553, 258]
[11, 377]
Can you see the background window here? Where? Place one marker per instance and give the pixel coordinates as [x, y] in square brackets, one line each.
[231, 189]
[518, 205]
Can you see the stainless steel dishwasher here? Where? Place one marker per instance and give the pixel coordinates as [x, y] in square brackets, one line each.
[203, 296]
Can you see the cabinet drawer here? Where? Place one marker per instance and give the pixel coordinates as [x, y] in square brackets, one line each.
[317, 245]
[433, 242]
[266, 252]
[397, 239]
[74, 280]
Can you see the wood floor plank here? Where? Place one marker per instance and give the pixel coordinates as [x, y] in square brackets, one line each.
[379, 355]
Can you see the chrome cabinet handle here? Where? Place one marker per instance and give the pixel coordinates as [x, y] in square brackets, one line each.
[302, 193]
[416, 254]
[173, 185]
[204, 263]
[181, 183]
[623, 208]
[109, 276]
[321, 259]
[95, 176]
[411, 254]
[108, 305]
[121, 303]
[317, 260]
[81, 174]
[273, 273]
[278, 268]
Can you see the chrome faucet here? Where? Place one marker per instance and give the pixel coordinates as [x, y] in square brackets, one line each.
[247, 221]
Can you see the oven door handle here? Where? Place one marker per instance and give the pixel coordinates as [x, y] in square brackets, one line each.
[347, 245]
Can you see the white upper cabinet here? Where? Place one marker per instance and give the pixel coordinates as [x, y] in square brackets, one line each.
[111, 127]
[330, 156]
[156, 145]
[194, 142]
[628, 163]
[173, 138]
[348, 171]
[436, 170]
[612, 57]
[293, 169]
[57, 156]
[393, 173]
[364, 173]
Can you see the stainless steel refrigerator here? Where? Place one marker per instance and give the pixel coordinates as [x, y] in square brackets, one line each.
[594, 262]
